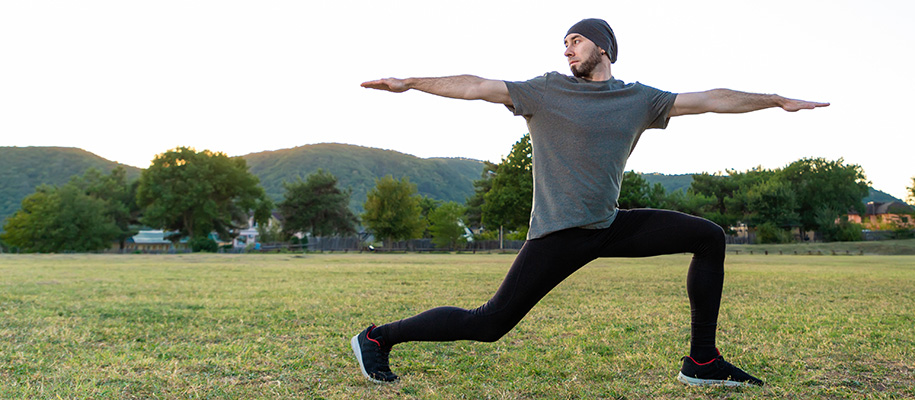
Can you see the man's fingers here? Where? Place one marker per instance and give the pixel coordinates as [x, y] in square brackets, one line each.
[812, 104]
[798, 105]
[389, 84]
[376, 84]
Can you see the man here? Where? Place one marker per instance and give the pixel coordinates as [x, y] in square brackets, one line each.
[583, 129]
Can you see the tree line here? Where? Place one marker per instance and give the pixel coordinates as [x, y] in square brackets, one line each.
[205, 195]
[808, 195]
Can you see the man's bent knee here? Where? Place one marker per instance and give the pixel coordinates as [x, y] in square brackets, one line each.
[491, 329]
[711, 239]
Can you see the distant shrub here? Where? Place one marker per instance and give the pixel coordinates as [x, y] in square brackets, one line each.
[203, 244]
[770, 233]
[848, 232]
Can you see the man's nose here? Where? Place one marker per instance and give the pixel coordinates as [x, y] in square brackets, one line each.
[568, 52]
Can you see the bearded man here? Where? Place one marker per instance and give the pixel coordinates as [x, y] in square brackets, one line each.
[583, 129]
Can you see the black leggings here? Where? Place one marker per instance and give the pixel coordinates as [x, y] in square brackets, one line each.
[544, 263]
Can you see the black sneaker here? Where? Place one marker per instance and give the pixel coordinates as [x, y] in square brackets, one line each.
[715, 372]
[373, 357]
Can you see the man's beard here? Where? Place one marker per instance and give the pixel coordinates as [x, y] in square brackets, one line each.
[585, 67]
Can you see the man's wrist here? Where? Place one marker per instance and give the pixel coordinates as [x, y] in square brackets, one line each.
[411, 83]
[777, 101]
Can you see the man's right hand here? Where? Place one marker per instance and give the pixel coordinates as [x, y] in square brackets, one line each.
[390, 84]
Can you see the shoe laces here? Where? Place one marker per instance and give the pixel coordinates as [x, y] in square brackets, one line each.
[382, 353]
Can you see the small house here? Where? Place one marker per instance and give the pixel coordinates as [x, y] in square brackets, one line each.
[885, 215]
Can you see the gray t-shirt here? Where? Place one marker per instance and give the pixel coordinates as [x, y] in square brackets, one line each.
[582, 133]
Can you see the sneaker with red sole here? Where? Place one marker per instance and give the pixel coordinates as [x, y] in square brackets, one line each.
[716, 372]
[372, 355]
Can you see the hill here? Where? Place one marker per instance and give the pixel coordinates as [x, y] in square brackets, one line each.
[356, 167]
[671, 183]
[879, 196]
[22, 169]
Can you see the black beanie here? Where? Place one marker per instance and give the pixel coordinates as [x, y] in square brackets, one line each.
[599, 32]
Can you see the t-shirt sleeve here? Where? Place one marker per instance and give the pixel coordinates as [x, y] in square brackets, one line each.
[527, 96]
[660, 103]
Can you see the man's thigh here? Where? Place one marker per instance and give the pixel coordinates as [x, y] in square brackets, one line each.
[651, 232]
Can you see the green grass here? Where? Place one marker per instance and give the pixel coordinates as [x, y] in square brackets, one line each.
[278, 326]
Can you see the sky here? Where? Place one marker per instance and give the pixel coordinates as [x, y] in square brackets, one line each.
[127, 80]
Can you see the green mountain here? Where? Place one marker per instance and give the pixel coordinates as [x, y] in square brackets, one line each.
[22, 169]
[671, 183]
[356, 167]
[880, 197]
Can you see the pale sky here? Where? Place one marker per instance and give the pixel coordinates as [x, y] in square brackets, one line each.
[128, 79]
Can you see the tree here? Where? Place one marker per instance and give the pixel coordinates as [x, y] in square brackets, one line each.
[911, 196]
[271, 233]
[474, 215]
[508, 202]
[196, 193]
[445, 224]
[635, 192]
[725, 195]
[120, 196]
[427, 205]
[60, 219]
[317, 206]
[773, 201]
[825, 190]
[719, 188]
[85, 214]
[392, 210]
[772, 206]
[686, 202]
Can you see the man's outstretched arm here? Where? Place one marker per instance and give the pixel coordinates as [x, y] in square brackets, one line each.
[732, 101]
[467, 87]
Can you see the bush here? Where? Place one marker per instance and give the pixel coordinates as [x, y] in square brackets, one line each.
[770, 233]
[493, 234]
[520, 234]
[203, 244]
[849, 232]
[487, 235]
[842, 231]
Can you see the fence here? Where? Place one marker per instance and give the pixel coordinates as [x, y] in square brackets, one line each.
[817, 237]
[888, 235]
[352, 243]
[347, 244]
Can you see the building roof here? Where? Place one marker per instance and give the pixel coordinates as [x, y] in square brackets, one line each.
[891, 207]
[150, 237]
[154, 237]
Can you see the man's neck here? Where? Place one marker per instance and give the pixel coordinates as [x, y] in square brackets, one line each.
[601, 72]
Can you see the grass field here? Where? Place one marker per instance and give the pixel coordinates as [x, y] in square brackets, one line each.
[278, 326]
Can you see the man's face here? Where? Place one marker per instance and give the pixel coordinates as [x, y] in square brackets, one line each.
[583, 55]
